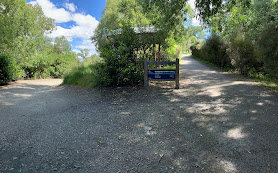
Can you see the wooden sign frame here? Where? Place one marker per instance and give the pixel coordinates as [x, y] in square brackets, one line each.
[147, 69]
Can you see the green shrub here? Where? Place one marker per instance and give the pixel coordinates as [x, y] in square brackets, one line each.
[44, 65]
[269, 50]
[196, 49]
[6, 68]
[121, 66]
[215, 51]
[100, 75]
[243, 56]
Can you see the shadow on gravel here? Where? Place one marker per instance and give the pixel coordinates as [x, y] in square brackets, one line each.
[214, 123]
[199, 133]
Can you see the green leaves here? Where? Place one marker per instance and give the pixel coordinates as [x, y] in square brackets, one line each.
[6, 68]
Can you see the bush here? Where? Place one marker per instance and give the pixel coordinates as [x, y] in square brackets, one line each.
[269, 46]
[196, 49]
[6, 68]
[213, 50]
[44, 65]
[120, 64]
[243, 56]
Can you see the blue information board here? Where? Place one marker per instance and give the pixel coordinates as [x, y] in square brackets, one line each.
[162, 74]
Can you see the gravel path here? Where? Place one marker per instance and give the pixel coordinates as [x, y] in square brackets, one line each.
[214, 123]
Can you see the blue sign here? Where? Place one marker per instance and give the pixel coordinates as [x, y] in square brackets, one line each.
[162, 74]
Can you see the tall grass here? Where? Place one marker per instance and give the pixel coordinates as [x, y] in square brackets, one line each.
[90, 73]
[81, 75]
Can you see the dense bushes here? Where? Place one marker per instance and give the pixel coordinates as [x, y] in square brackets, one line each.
[241, 54]
[120, 63]
[250, 34]
[6, 68]
[214, 50]
[269, 50]
[23, 36]
[42, 65]
[45, 65]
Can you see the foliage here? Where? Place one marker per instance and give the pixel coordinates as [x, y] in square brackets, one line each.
[45, 65]
[166, 15]
[214, 50]
[31, 53]
[269, 45]
[250, 30]
[123, 51]
[6, 68]
[191, 36]
[88, 73]
[243, 56]
[22, 28]
[121, 64]
[80, 75]
[61, 45]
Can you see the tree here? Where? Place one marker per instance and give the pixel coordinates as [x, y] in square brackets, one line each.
[249, 27]
[22, 28]
[61, 45]
[22, 37]
[84, 53]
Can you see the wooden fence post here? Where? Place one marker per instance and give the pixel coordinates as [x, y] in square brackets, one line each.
[177, 73]
[146, 82]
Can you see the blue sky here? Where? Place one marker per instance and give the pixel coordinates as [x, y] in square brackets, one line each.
[77, 19]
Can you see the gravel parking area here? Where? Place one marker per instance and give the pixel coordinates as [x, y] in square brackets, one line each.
[215, 122]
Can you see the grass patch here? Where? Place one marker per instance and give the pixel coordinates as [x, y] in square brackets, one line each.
[80, 76]
[88, 74]
[266, 80]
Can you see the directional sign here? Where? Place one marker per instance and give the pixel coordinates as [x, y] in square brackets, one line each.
[162, 74]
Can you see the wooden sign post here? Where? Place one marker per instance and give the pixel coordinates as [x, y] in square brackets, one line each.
[161, 74]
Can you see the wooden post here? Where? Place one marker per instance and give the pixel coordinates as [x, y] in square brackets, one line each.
[177, 73]
[154, 56]
[159, 56]
[146, 82]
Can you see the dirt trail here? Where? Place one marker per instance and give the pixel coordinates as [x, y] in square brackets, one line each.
[214, 123]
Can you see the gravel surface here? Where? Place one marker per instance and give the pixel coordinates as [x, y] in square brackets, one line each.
[215, 122]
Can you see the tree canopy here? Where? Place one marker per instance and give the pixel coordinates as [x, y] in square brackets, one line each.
[248, 29]
[25, 46]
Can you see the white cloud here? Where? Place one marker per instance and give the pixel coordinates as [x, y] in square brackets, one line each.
[70, 6]
[84, 24]
[87, 44]
[50, 10]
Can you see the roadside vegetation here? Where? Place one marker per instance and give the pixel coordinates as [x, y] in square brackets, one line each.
[243, 38]
[122, 49]
[244, 41]
[25, 50]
